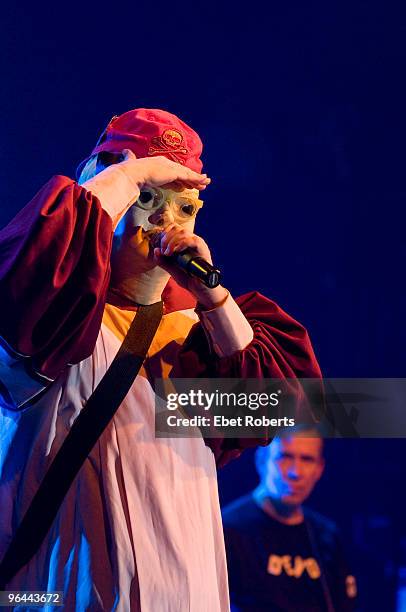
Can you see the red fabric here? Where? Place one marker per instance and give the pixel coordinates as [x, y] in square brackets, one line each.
[281, 348]
[176, 298]
[54, 274]
[151, 132]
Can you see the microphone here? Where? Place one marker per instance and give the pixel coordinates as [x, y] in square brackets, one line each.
[192, 264]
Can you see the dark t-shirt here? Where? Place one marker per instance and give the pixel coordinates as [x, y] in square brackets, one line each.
[278, 567]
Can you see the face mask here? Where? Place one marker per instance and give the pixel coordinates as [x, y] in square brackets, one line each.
[155, 208]
[159, 207]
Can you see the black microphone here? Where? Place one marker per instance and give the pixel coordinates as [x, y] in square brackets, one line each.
[192, 264]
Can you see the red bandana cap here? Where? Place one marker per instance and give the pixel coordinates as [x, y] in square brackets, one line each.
[149, 132]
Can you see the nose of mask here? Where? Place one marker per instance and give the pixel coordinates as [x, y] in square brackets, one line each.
[163, 216]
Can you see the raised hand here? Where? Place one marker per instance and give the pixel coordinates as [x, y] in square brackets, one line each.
[162, 172]
[177, 238]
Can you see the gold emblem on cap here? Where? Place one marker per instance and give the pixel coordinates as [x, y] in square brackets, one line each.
[172, 138]
[169, 143]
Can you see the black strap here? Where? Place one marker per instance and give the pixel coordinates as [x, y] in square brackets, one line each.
[83, 435]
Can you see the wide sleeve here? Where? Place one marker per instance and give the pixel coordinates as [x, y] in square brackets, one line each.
[54, 274]
[280, 348]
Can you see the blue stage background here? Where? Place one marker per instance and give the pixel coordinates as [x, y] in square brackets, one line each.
[301, 108]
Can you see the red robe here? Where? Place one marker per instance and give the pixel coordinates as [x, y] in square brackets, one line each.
[54, 278]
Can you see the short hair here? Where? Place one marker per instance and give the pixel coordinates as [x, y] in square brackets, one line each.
[262, 452]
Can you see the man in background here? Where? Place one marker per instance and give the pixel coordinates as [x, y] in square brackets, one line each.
[282, 556]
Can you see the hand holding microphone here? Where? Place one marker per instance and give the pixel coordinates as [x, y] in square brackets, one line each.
[187, 258]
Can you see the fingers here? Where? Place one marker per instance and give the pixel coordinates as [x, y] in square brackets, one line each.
[128, 154]
[177, 238]
[159, 171]
[180, 185]
[175, 186]
[187, 178]
[173, 234]
[184, 173]
[178, 244]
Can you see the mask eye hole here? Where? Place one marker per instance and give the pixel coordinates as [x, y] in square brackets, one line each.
[146, 199]
[187, 210]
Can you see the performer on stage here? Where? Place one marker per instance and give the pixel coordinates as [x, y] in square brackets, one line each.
[140, 528]
[283, 557]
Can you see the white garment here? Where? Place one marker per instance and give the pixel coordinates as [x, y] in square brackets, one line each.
[143, 513]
